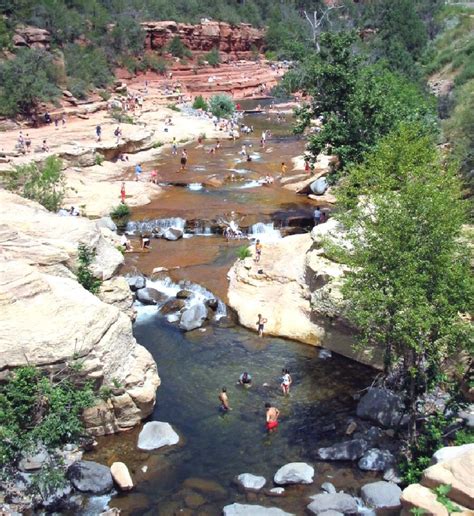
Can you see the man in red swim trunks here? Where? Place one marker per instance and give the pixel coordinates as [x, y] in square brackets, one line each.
[271, 417]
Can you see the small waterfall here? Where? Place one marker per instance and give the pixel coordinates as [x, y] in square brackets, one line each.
[150, 225]
[202, 230]
[265, 232]
[195, 186]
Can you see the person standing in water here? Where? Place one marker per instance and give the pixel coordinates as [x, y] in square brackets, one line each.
[260, 325]
[184, 160]
[245, 379]
[286, 381]
[271, 417]
[283, 169]
[223, 398]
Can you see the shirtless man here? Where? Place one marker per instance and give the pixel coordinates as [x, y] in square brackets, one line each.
[258, 251]
[225, 407]
[260, 324]
[283, 168]
[272, 414]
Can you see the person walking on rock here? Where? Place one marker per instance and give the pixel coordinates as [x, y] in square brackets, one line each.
[184, 160]
[122, 193]
[258, 251]
[138, 171]
[98, 132]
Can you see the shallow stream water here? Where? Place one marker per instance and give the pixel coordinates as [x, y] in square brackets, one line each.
[197, 476]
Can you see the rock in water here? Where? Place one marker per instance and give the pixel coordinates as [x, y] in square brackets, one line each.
[156, 434]
[294, 473]
[184, 294]
[121, 476]
[340, 502]
[193, 317]
[136, 282]
[376, 460]
[347, 450]
[319, 186]
[382, 406]
[249, 481]
[150, 296]
[382, 495]
[173, 234]
[238, 509]
[172, 306]
[328, 487]
[90, 477]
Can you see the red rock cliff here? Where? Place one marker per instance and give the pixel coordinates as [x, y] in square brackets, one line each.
[234, 40]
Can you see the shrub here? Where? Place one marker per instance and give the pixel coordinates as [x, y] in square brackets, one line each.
[157, 145]
[244, 252]
[87, 65]
[78, 88]
[43, 183]
[99, 159]
[121, 117]
[174, 107]
[213, 57]
[105, 95]
[38, 408]
[84, 273]
[156, 64]
[26, 81]
[201, 61]
[200, 103]
[120, 214]
[127, 36]
[221, 105]
[177, 48]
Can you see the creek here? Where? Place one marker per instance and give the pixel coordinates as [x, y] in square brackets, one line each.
[196, 477]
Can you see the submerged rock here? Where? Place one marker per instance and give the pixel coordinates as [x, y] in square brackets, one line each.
[238, 509]
[382, 495]
[90, 477]
[347, 450]
[294, 473]
[157, 434]
[376, 460]
[150, 296]
[193, 317]
[382, 406]
[249, 481]
[340, 502]
[172, 306]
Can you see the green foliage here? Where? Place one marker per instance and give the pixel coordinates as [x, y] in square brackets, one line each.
[99, 159]
[127, 36]
[5, 35]
[359, 103]
[121, 116]
[155, 63]
[87, 66]
[221, 105]
[213, 57]
[121, 214]
[36, 408]
[464, 437]
[78, 88]
[84, 274]
[244, 252]
[411, 275]
[200, 103]
[48, 480]
[26, 81]
[44, 183]
[177, 48]
[157, 145]
[442, 492]
[173, 107]
[105, 95]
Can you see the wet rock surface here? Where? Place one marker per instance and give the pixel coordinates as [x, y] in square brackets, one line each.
[340, 502]
[294, 473]
[90, 477]
[157, 434]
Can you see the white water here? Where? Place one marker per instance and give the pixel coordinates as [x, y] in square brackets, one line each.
[150, 225]
[195, 186]
[170, 289]
[250, 184]
[265, 232]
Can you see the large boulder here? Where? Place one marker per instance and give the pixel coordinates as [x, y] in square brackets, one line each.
[376, 460]
[383, 407]
[90, 477]
[347, 450]
[157, 434]
[193, 317]
[136, 283]
[106, 222]
[294, 473]
[252, 482]
[451, 452]
[34, 460]
[238, 509]
[458, 473]
[340, 502]
[121, 476]
[172, 306]
[319, 186]
[150, 296]
[116, 292]
[382, 495]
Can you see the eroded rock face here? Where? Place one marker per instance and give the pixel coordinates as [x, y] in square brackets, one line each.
[237, 40]
[47, 318]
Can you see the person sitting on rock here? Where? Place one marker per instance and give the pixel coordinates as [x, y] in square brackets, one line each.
[145, 242]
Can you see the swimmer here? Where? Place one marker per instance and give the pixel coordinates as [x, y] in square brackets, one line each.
[271, 417]
[245, 379]
[224, 399]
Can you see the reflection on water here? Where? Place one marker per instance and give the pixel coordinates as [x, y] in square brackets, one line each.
[193, 368]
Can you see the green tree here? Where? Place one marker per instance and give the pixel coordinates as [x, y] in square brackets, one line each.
[213, 57]
[26, 81]
[44, 183]
[88, 64]
[410, 275]
[221, 105]
[200, 103]
[127, 36]
[85, 275]
[177, 48]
